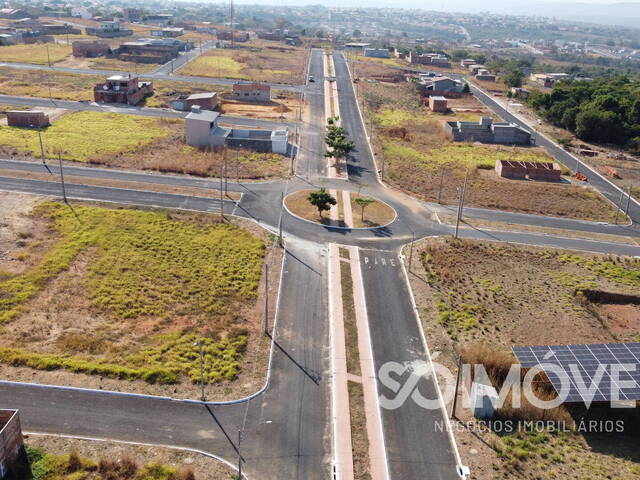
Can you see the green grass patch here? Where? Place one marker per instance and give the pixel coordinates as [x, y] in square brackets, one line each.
[146, 264]
[391, 117]
[83, 136]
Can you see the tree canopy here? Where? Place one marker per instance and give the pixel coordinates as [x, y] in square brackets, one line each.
[604, 110]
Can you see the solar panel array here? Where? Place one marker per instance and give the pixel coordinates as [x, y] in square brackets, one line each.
[575, 362]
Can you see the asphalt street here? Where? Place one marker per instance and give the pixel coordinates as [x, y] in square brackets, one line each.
[360, 166]
[416, 447]
[131, 110]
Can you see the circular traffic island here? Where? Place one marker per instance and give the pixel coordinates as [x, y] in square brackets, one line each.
[339, 208]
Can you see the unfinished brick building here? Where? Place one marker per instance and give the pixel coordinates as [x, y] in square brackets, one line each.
[548, 171]
[90, 49]
[11, 442]
[27, 118]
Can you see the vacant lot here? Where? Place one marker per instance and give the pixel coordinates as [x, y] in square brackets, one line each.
[471, 294]
[136, 142]
[36, 53]
[83, 136]
[102, 63]
[93, 453]
[281, 65]
[419, 157]
[121, 299]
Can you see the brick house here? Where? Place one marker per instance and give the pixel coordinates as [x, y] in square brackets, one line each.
[90, 49]
[206, 101]
[252, 92]
[27, 118]
[122, 89]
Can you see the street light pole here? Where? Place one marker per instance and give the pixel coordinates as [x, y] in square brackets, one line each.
[626, 209]
[48, 57]
[202, 395]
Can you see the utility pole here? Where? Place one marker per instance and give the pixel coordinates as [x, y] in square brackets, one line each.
[280, 219]
[382, 164]
[237, 165]
[619, 209]
[413, 239]
[48, 57]
[455, 395]
[64, 191]
[461, 202]
[239, 456]
[440, 187]
[199, 345]
[42, 149]
[266, 299]
[626, 209]
[222, 188]
[225, 176]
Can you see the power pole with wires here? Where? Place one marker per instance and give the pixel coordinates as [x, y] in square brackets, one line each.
[237, 165]
[48, 57]
[225, 175]
[222, 188]
[461, 202]
[64, 190]
[626, 209]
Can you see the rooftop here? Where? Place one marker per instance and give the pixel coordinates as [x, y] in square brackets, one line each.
[203, 115]
[199, 96]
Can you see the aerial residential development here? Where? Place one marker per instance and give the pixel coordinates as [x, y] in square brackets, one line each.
[355, 242]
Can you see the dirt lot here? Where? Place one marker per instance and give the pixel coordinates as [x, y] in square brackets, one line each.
[203, 467]
[418, 154]
[472, 293]
[285, 109]
[60, 320]
[102, 63]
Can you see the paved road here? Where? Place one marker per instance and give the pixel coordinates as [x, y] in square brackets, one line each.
[632, 230]
[148, 76]
[415, 447]
[311, 161]
[174, 65]
[360, 166]
[285, 429]
[132, 110]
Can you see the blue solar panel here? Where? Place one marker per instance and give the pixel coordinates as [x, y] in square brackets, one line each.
[588, 367]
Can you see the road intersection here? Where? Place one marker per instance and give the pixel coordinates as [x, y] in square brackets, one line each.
[286, 427]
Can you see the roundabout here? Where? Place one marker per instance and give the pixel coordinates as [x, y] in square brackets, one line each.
[339, 209]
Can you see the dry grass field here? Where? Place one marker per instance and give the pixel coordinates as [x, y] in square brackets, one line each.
[281, 65]
[93, 453]
[480, 298]
[143, 143]
[34, 53]
[70, 314]
[417, 152]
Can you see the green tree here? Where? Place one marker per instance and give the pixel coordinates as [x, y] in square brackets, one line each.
[322, 200]
[514, 78]
[465, 88]
[363, 202]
